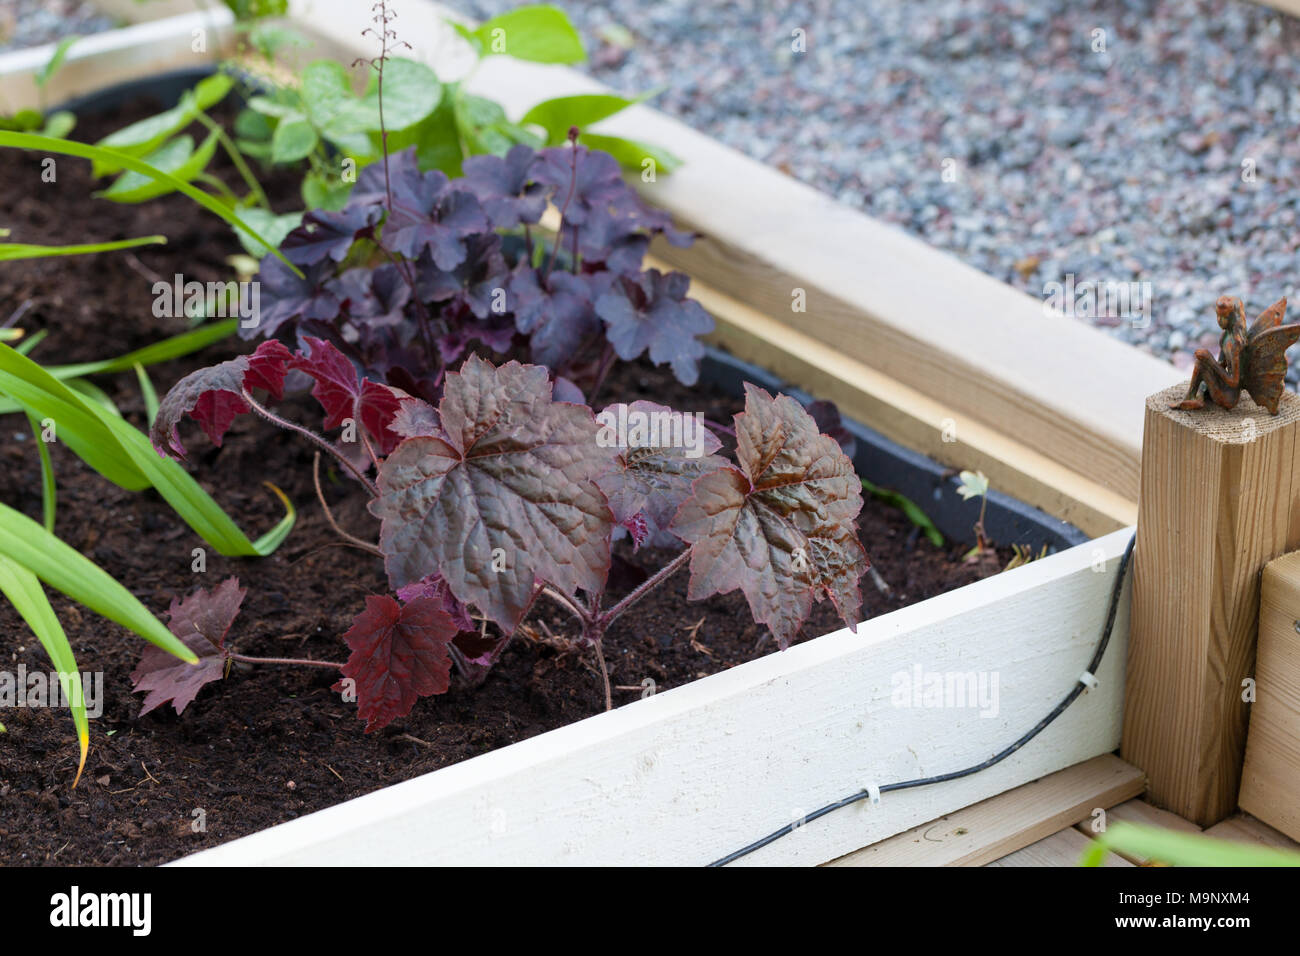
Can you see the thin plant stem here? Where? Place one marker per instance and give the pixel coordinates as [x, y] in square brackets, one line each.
[245, 659]
[329, 515]
[237, 158]
[607, 617]
[559, 232]
[312, 437]
[604, 674]
[580, 613]
[602, 370]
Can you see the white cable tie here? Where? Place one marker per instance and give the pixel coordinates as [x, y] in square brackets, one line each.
[1088, 680]
[873, 793]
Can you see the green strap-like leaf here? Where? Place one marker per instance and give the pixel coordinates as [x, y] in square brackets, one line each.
[49, 490]
[26, 543]
[123, 455]
[24, 591]
[67, 147]
[23, 250]
[1182, 849]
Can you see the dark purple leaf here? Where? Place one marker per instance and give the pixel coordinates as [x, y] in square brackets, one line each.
[285, 296]
[439, 225]
[556, 313]
[398, 655]
[783, 526]
[329, 235]
[651, 312]
[201, 621]
[504, 187]
[660, 453]
[507, 498]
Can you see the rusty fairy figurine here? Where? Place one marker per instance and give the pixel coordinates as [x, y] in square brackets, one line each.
[1251, 360]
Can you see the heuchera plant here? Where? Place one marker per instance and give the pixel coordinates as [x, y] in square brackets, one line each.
[503, 493]
[417, 267]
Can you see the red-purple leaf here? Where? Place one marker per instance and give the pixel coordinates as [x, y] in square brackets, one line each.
[201, 621]
[506, 497]
[398, 654]
[212, 395]
[783, 527]
[435, 587]
[344, 395]
[660, 453]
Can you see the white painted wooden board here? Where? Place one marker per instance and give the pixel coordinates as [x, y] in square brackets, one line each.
[99, 60]
[696, 772]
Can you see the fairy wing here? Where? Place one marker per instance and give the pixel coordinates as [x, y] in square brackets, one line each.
[1263, 362]
[1270, 318]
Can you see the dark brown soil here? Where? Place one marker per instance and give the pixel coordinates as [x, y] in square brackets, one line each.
[273, 743]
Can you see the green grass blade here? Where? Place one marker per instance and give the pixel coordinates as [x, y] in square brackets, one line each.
[10, 251]
[195, 506]
[25, 542]
[147, 392]
[93, 392]
[69, 147]
[1182, 849]
[123, 454]
[909, 508]
[24, 591]
[163, 351]
[76, 419]
[48, 488]
[25, 347]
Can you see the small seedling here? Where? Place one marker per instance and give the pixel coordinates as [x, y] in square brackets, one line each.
[973, 484]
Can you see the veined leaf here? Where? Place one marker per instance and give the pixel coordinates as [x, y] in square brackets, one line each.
[558, 114]
[504, 497]
[782, 527]
[178, 157]
[146, 135]
[631, 153]
[294, 139]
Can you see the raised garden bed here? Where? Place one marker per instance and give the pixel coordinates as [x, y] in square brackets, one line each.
[295, 601]
[735, 740]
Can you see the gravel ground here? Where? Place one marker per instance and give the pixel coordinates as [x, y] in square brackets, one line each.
[26, 23]
[1128, 165]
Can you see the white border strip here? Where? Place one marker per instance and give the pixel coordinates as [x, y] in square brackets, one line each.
[689, 775]
[99, 60]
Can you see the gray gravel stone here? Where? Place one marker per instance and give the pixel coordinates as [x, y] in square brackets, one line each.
[25, 23]
[1171, 157]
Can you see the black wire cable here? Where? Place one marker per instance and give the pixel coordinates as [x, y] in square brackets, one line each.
[1038, 728]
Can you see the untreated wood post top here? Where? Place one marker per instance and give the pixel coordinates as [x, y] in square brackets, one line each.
[1242, 424]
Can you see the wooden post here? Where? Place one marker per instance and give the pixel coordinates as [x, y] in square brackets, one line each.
[1219, 500]
[1270, 781]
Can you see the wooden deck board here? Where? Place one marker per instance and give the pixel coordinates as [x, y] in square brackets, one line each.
[1244, 828]
[1059, 849]
[993, 828]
